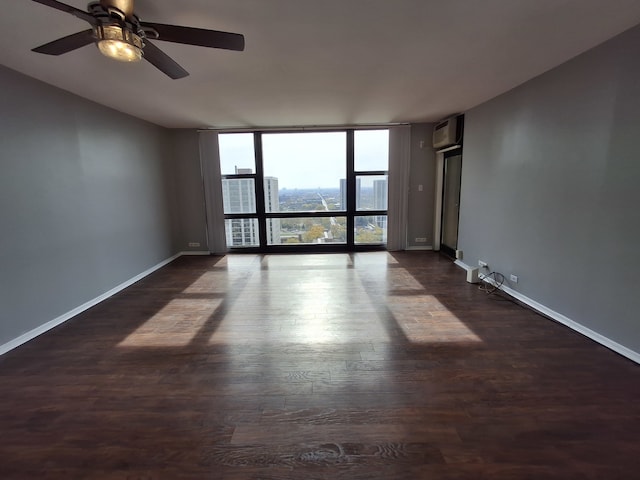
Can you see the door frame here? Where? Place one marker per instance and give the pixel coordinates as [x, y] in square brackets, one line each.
[439, 201]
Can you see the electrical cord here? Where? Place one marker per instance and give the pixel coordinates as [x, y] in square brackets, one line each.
[495, 287]
[491, 287]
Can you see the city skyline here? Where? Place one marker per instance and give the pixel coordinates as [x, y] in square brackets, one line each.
[305, 160]
[239, 198]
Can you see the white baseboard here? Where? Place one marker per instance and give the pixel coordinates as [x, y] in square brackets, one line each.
[31, 334]
[428, 247]
[194, 252]
[558, 317]
[461, 264]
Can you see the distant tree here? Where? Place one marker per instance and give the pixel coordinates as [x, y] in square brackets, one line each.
[366, 235]
[339, 232]
[315, 232]
[310, 207]
[288, 224]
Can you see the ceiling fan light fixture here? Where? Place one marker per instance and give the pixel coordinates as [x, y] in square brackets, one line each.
[119, 43]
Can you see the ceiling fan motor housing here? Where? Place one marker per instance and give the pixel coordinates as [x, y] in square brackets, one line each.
[124, 6]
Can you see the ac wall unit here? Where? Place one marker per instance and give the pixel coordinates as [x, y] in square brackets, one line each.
[445, 133]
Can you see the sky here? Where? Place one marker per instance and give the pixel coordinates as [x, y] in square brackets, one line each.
[305, 159]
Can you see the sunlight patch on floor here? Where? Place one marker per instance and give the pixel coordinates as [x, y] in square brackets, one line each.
[424, 319]
[175, 325]
[400, 280]
[373, 259]
[283, 305]
[339, 260]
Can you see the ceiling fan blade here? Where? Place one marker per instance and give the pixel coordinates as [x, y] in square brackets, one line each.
[197, 36]
[68, 9]
[66, 44]
[162, 61]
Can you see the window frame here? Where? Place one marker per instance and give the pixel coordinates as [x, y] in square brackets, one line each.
[350, 212]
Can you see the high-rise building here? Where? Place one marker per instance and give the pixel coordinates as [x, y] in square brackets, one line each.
[238, 196]
[380, 196]
[343, 193]
[272, 204]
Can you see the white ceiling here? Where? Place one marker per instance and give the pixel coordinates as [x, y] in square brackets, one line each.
[320, 62]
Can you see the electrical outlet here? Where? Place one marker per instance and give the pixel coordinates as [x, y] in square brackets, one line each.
[421, 239]
[483, 264]
[514, 278]
[194, 244]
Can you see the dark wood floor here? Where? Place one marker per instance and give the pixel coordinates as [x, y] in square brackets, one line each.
[362, 366]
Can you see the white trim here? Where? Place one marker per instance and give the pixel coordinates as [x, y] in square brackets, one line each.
[419, 248]
[194, 252]
[587, 332]
[448, 149]
[558, 317]
[31, 334]
[461, 264]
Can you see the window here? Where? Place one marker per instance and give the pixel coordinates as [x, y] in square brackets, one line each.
[307, 168]
[295, 189]
[371, 165]
[237, 166]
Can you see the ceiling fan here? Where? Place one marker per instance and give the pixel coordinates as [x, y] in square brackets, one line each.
[120, 34]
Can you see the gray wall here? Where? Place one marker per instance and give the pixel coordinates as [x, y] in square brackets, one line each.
[422, 172]
[550, 188]
[85, 201]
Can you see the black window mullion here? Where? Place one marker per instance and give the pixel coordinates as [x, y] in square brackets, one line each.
[314, 214]
[260, 205]
[351, 188]
[371, 173]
